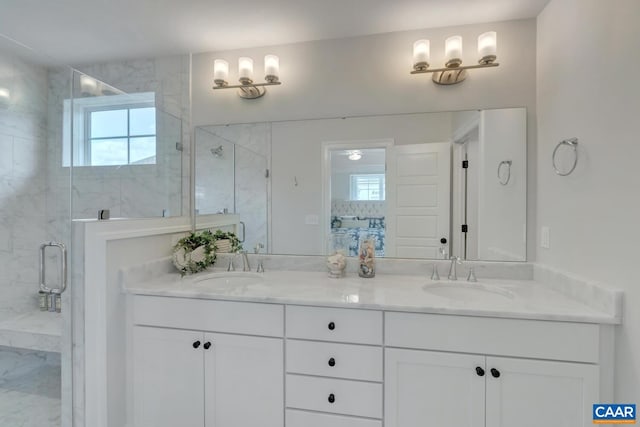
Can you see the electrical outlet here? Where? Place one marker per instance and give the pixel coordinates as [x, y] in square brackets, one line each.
[545, 237]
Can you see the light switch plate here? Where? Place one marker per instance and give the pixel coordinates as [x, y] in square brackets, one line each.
[545, 237]
[312, 220]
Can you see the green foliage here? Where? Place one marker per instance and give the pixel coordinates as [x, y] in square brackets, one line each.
[188, 244]
[236, 245]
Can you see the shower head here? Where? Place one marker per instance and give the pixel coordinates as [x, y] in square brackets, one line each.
[218, 151]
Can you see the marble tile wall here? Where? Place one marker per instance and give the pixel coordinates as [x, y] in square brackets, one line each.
[247, 177]
[23, 220]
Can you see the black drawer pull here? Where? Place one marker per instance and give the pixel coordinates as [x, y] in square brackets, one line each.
[332, 398]
[196, 344]
[207, 345]
[479, 371]
[331, 326]
[495, 373]
[332, 362]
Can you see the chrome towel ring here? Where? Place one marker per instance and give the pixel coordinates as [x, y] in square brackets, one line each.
[507, 163]
[573, 143]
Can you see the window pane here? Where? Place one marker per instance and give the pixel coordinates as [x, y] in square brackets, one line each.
[106, 152]
[143, 151]
[109, 123]
[143, 121]
[367, 187]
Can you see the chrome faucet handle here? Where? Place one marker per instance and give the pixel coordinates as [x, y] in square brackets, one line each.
[471, 277]
[245, 261]
[434, 272]
[452, 268]
[257, 247]
[231, 267]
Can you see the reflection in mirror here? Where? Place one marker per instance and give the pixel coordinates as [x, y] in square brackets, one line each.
[424, 185]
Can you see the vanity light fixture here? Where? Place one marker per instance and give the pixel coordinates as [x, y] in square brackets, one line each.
[247, 88]
[453, 71]
[5, 97]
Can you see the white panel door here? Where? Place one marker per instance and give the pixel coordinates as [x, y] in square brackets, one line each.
[424, 388]
[418, 199]
[533, 393]
[167, 377]
[244, 384]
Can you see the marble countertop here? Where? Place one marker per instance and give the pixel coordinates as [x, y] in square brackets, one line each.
[504, 298]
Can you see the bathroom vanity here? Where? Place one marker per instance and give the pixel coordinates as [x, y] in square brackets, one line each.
[301, 350]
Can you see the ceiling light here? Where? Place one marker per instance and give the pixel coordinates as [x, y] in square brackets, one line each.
[453, 71]
[355, 155]
[5, 97]
[247, 88]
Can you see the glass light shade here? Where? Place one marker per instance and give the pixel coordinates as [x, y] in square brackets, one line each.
[453, 51]
[88, 85]
[487, 46]
[421, 54]
[220, 71]
[271, 68]
[245, 68]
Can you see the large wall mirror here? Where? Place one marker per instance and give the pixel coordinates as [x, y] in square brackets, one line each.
[423, 185]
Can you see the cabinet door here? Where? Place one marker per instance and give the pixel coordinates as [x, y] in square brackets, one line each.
[424, 388]
[532, 393]
[244, 384]
[167, 378]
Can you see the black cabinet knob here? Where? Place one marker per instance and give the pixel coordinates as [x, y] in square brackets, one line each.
[331, 326]
[207, 345]
[196, 344]
[479, 371]
[332, 362]
[332, 398]
[495, 373]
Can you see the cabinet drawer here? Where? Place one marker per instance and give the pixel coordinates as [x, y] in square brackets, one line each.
[349, 397]
[335, 324]
[356, 362]
[313, 419]
[485, 335]
[209, 315]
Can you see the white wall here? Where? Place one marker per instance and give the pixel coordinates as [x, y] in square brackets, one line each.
[586, 88]
[370, 75]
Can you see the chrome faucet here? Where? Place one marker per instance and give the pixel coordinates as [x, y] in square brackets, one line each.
[452, 269]
[245, 261]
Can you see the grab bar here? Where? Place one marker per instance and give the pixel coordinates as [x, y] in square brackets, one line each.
[63, 273]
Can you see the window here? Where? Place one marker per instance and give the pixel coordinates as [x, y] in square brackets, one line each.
[110, 130]
[367, 187]
[121, 136]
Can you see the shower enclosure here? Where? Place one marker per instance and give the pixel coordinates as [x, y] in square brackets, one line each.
[72, 144]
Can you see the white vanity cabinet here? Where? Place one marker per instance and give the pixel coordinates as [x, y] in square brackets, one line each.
[334, 367]
[476, 390]
[192, 377]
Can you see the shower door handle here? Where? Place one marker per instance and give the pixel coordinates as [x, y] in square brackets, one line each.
[63, 268]
[244, 231]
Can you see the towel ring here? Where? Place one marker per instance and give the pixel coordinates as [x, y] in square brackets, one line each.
[506, 163]
[571, 142]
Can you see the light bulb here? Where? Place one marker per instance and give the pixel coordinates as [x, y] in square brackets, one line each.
[487, 47]
[245, 70]
[421, 53]
[271, 68]
[88, 85]
[220, 72]
[453, 51]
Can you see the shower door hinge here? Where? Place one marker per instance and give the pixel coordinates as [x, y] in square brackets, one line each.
[266, 173]
[179, 146]
[465, 164]
[465, 228]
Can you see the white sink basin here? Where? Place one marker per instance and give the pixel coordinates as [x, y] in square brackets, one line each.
[230, 280]
[468, 292]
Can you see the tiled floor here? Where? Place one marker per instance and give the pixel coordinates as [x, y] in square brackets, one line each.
[29, 388]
